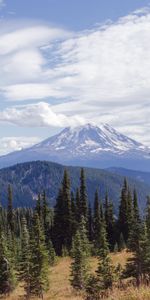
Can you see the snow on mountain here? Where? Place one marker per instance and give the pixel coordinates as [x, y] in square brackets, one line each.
[91, 139]
[88, 145]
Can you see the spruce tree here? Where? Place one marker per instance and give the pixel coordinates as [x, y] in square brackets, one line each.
[78, 206]
[105, 271]
[110, 223]
[80, 253]
[74, 223]
[58, 230]
[39, 207]
[7, 274]
[135, 266]
[123, 212]
[38, 260]
[10, 215]
[97, 220]
[24, 265]
[83, 196]
[45, 216]
[90, 223]
[67, 220]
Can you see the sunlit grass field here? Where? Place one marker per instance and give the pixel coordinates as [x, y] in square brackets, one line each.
[60, 288]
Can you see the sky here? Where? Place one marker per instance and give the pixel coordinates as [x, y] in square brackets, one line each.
[70, 62]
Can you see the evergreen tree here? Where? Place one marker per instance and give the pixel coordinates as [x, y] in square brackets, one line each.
[110, 223]
[39, 207]
[67, 220]
[80, 253]
[38, 260]
[136, 215]
[51, 253]
[135, 266]
[45, 216]
[83, 196]
[10, 215]
[78, 206]
[90, 223]
[97, 220]
[105, 271]
[123, 212]
[24, 265]
[135, 227]
[7, 274]
[74, 223]
[58, 230]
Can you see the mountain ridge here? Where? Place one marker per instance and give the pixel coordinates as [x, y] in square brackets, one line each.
[29, 179]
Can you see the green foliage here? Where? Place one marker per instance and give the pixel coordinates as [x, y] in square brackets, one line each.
[25, 256]
[38, 260]
[80, 253]
[7, 274]
[83, 196]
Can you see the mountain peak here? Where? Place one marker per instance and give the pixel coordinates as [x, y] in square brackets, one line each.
[86, 145]
[90, 138]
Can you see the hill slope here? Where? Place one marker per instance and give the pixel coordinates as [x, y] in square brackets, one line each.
[87, 145]
[28, 179]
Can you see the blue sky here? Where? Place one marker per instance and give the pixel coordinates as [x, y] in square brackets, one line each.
[65, 63]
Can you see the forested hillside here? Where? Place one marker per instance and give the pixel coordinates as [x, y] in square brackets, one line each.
[28, 179]
[31, 240]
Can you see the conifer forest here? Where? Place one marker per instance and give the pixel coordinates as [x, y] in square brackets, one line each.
[32, 240]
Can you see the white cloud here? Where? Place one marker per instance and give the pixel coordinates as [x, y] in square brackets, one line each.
[10, 144]
[38, 115]
[104, 74]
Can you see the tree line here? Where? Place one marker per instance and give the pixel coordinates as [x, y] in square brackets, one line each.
[31, 239]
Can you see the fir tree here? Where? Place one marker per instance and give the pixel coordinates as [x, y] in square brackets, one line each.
[51, 253]
[67, 221]
[38, 260]
[24, 265]
[39, 207]
[74, 223]
[80, 253]
[97, 221]
[135, 266]
[105, 271]
[45, 215]
[123, 212]
[58, 229]
[83, 196]
[7, 274]
[110, 223]
[78, 206]
[10, 215]
[90, 223]
[136, 215]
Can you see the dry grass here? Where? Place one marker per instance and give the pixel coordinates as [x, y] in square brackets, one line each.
[60, 286]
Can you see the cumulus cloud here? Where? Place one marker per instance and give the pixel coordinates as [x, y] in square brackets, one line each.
[38, 115]
[101, 74]
[10, 144]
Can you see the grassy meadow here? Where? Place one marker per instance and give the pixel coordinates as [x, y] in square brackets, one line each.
[60, 288]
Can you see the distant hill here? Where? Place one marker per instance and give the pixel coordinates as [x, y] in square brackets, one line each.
[89, 146]
[28, 179]
[138, 175]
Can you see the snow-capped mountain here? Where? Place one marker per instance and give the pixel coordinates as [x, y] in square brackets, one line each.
[86, 145]
[90, 139]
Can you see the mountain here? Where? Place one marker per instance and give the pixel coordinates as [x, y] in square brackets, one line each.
[138, 175]
[28, 179]
[87, 145]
